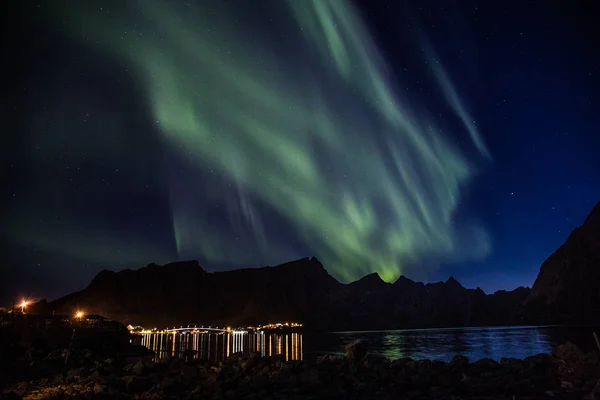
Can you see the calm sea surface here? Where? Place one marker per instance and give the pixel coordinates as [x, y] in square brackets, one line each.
[440, 344]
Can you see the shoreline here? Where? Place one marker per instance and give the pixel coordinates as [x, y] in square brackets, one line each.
[567, 373]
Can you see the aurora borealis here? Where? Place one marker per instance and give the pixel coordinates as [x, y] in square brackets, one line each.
[255, 134]
[335, 153]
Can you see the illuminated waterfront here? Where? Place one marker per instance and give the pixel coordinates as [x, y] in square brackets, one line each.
[438, 344]
[216, 346]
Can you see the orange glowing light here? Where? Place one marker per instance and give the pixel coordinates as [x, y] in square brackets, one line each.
[79, 314]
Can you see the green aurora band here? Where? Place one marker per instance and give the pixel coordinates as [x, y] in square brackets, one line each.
[311, 128]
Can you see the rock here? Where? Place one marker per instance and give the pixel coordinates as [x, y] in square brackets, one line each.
[135, 384]
[539, 359]
[209, 383]
[436, 392]
[168, 384]
[98, 388]
[75, 373]
[483, 366]
[139, 369]
[235, 358]
[568, 352]
[566, 385]
[356, 350]
[58, 378]
[400, 362]
[592, 358]
[202, 372]
[174, 364]
[261, 382]
[55, 355]
[94, 376]
[422, 365]
[329, 376]
[327, 358]
[511, 363]
[518, 389]
[311, 377]
[189, 371]
[373, 359]
[459, 361]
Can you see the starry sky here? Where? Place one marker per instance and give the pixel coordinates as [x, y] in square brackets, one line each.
[416, 138]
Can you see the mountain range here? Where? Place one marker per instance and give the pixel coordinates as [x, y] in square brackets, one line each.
[567, 290]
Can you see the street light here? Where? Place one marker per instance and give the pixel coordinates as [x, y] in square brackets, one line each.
[79, 314]
[23, 304]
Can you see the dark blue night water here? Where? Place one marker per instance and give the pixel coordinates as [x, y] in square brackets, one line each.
[443, 344]
[438, 344]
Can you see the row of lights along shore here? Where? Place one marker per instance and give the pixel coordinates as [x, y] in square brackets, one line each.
[24, 303]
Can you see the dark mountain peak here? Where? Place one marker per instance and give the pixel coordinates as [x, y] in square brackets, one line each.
[301, 263]
[521, 290]
[593, 219]
[299, 290]
[315, 264]
[371, 281]
[372, 277]
[315, 261]
[435, 285]
[304, 266]
[404, 281]
[303, 260]
[107, 278]
[102, 277]
[177, 266]
[566, 289]
[451, 282]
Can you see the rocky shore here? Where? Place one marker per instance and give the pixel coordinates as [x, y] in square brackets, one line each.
[566, 374]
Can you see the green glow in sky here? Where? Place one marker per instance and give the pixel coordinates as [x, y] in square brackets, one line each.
[307, 124]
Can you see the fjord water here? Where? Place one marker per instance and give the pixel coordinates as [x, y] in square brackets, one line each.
[217, 346]
[438, 344]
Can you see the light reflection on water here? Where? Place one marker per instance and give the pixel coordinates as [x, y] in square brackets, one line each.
[444, 344]
[217, 346]
[435, 344]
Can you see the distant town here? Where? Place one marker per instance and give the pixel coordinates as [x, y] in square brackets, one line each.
[278, 326]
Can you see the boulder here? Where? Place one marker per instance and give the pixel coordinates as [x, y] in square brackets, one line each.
[189, 371]
[356, 350]
[373, 359]
[135, 384]
[569, 353]
[139, 369]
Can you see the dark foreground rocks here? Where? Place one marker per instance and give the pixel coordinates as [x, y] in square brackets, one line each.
[567, 374]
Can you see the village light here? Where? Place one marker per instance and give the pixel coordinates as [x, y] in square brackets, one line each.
[23, 304]
[79, 314]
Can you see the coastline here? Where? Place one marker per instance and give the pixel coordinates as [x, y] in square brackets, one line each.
[567, 373]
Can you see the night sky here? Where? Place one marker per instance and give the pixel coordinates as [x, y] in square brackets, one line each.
[422, 138]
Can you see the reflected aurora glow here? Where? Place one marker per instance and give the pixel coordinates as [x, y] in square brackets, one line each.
[304, 125]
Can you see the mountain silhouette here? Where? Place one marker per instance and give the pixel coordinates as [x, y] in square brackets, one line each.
[567, 290]
[302, 290]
